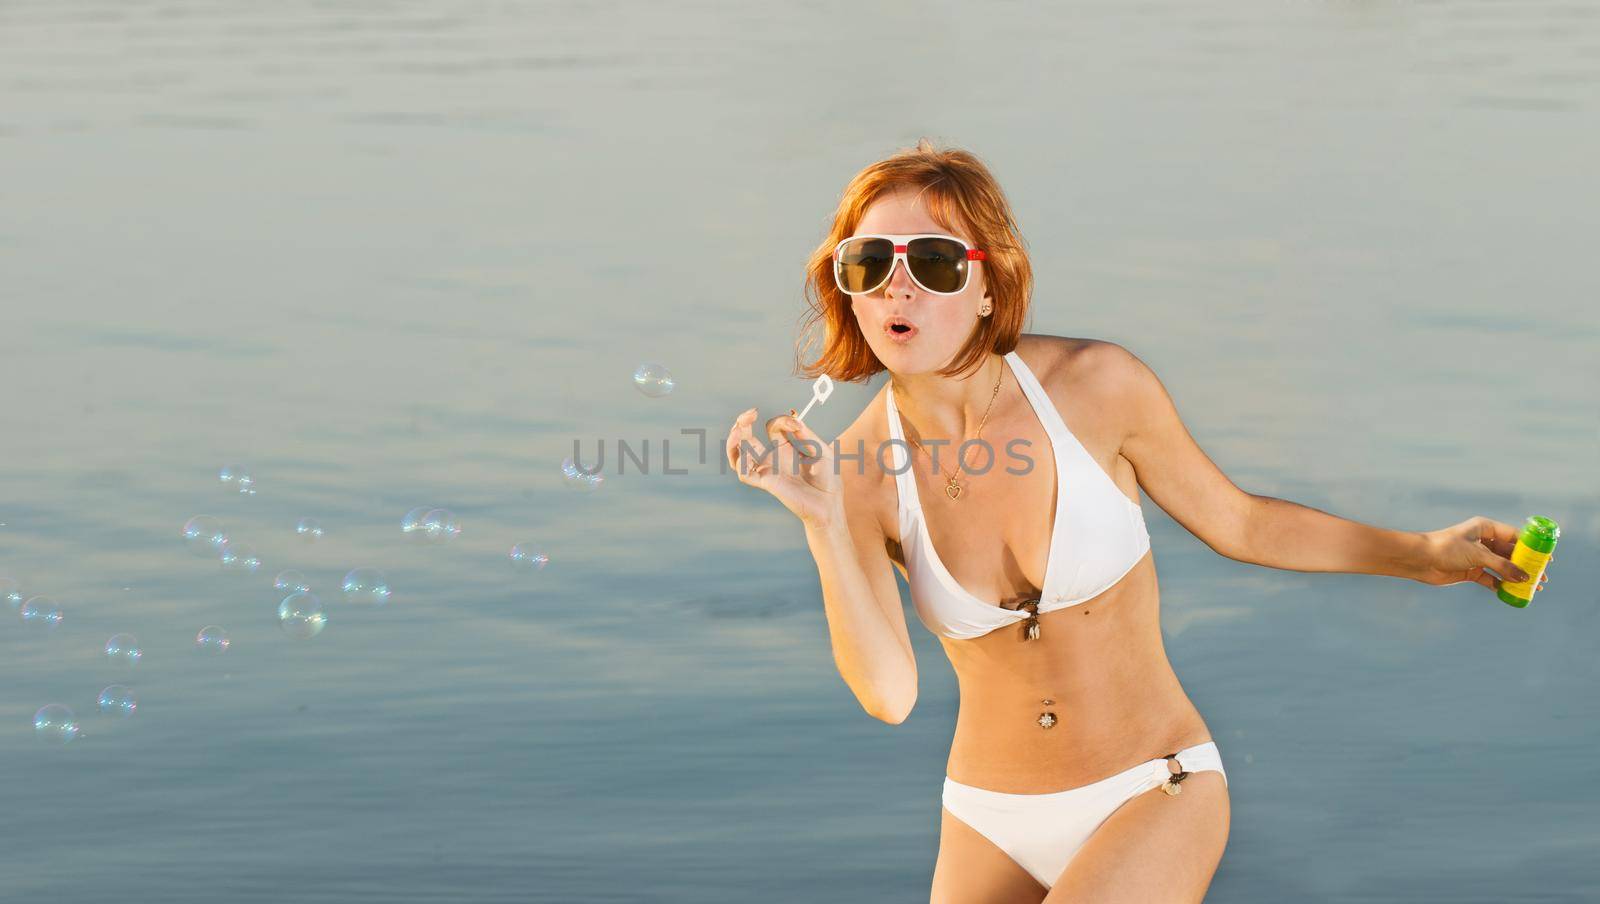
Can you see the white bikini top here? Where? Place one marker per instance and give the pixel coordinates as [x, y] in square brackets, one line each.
[1097, 536]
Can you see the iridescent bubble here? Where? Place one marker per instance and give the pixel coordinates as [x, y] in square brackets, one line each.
[440, 524]
[123, 649]
[41, 613]
[118, 700]
[204, 535]
[11, 593]
[211, 639]
[290, 582]
[411, 524]
[240, 557]
[54, 723]
[653, 380]
[579, 478]
[528, 557]
[237, 478]
[301, 616]
[308, 529]
[366, 586]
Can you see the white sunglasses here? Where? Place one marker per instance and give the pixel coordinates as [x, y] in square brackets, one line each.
[936, 262]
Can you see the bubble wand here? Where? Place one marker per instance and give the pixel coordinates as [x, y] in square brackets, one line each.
[820, 390]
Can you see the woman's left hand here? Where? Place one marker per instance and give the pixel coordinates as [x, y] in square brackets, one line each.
[1469, 551]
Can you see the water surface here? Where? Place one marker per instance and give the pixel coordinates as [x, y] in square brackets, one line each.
[397, 254]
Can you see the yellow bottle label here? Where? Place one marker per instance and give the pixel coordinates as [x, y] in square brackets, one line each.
[1530, 560]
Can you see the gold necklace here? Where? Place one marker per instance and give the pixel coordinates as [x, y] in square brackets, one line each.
[951, 488]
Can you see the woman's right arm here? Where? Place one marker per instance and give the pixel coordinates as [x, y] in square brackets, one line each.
[866, 624]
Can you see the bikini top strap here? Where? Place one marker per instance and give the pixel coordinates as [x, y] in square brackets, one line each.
[1048, 414]
[898, 460]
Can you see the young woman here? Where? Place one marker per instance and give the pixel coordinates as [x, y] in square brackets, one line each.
[1079, 769]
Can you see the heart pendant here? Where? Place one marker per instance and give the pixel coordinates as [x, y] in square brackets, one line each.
[953, 490]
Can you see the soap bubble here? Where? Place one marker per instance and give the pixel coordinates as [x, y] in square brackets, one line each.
[308, 529]
[290, 581]
[653, 380]
[42, 613]
[55, 724]
[11, 593]
[366, 586]
[528, 557]
[240, 557]
[236, 477]
[211, 639]
[411, 524]
[301, 616]
[579, 478]
[440, 524]
[204, 535]
[123, 649]
[117, 700]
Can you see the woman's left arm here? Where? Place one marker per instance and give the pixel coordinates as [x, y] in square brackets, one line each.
[1284, 534]
[1277, 533]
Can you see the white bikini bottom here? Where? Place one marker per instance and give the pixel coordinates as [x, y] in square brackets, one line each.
[1042, 832]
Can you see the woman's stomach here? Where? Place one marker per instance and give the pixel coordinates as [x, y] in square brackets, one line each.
[1113, 698]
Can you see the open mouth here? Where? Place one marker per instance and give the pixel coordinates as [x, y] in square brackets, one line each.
[900, 328]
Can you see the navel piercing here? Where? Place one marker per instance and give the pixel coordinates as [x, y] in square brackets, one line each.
[1047, 719]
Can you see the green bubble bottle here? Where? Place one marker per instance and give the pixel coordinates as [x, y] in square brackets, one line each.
[1535, 543]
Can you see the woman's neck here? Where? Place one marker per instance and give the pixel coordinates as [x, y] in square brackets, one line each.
[947, 408]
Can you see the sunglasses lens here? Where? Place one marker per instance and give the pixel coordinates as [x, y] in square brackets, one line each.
[863, 264]
[939, 264]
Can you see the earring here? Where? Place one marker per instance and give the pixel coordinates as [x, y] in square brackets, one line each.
[983, 311]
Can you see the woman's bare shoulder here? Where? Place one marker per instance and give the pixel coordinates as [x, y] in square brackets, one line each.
[1059, 360]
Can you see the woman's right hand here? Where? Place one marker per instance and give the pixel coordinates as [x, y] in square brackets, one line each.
[807, 484]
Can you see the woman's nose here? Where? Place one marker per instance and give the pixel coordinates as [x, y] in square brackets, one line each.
[903, 285]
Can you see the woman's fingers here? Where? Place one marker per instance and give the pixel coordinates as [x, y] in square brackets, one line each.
[796, 433]
[1497, 540]
[1498, 535]
[1501, 566]
[749, 456]
[759, 462]
[732, 447]
[791, 449]
[805, 432]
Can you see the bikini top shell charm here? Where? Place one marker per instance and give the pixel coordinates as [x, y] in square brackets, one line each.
[1030, 627]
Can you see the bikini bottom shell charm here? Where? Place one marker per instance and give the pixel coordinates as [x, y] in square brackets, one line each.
[1177, 775]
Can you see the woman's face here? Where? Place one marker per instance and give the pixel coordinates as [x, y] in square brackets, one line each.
[934, 327]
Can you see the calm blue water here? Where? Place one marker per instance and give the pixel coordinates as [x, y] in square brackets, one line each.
[398, 254]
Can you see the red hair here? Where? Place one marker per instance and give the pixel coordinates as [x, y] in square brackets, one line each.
[958, 189]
